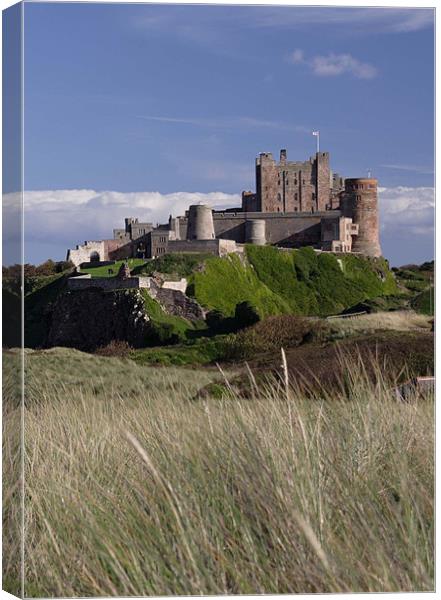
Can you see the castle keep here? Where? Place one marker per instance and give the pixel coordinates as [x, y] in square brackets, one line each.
[295, 204]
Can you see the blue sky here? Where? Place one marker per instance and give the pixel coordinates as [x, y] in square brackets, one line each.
[172, 99]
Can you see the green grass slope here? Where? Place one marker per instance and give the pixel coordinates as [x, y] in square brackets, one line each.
[38, 310]
[225, 282]
[292, 281]
[111, 270]
[424, 302]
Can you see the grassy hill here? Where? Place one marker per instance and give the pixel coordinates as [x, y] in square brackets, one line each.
[294, 281]
[272, 281]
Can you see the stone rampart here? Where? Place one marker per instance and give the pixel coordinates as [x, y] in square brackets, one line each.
[216, 247]
[84, 282]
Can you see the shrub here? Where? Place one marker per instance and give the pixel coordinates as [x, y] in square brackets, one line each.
[424, 302]
[246, 314]
[271, 334]
[118, 348]
[163, 333]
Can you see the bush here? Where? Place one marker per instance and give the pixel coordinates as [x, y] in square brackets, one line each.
[271, 334]
[424, 302]
[246, 314]
[163, 333]
[118, 348]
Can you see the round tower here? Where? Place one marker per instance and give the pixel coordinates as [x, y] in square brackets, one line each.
[200, 223]
[360, 202]
[255, 232]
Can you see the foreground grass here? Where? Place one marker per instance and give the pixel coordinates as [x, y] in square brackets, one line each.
[153, 492]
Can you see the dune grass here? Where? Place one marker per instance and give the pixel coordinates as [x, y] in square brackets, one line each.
[153, 492]
[402, 320]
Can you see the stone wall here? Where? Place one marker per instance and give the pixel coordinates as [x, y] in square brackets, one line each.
[99, 251]
[285, 229]
[360, 202]
[323, 181]
[180, 286]
[337, 234]
[218, 247]
[83, 252]
[290, 186]
[107, 283]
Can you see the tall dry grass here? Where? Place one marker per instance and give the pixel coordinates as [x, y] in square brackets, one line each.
[400, 320]
[155, 493]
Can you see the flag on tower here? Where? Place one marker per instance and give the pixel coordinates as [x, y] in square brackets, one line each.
[316, 133]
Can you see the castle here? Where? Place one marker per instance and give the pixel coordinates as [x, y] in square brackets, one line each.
[295, 204]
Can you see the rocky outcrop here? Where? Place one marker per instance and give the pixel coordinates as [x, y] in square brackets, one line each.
[175, 302]
[92, 318]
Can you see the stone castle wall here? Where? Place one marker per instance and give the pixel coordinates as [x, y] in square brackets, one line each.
[218, 247]
[107, 283]
[360, 202]
[290, 186]
[283, 229]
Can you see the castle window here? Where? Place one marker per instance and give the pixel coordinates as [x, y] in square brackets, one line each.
[295, 209]
[279, 197]
[295, 181]
[287, 182]
[296, 196]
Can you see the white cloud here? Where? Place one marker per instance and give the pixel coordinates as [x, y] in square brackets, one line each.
[297, 56]
[338, 64]
[58, 219]
[72, 216]
[333, 65]
[407, 210]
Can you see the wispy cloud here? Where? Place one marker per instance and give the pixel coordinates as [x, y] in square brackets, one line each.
[205, 21]
[360, 20]
[412, 168]
[333, 65]
[233, 123]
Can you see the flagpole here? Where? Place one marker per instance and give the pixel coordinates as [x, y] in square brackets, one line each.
[317, 135]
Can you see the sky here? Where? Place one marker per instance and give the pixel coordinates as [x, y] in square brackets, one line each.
[139, 110]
